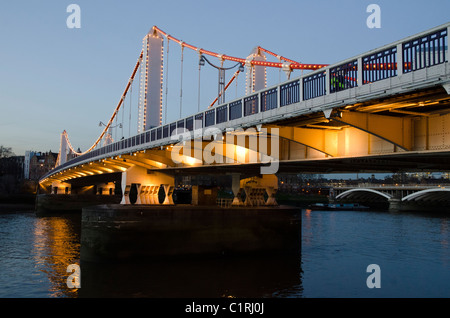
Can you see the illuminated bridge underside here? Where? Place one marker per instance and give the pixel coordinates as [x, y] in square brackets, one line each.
[396, 123]
[405, 132]
[381, 136]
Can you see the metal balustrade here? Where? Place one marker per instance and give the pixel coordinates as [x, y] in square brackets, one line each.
[199, 121]
[235, 110]
[221, 114]
[269, 99]
[379, 65]
[190, 123]
[417, 52]
[210, 117]
[251, 105]
[425, 51]
[343, 76]
[290, 93]
[314, 85]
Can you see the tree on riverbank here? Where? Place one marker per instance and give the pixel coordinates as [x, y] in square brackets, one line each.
[6, 152]
[11, 171]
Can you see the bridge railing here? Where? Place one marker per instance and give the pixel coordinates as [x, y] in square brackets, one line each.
[420, 51]
[379, 65]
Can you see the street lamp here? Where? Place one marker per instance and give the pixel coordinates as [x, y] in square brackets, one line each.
[102, 124]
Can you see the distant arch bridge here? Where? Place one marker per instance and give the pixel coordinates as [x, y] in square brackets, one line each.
[405, 193]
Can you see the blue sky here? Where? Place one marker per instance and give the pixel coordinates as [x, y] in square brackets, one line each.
[53, 78]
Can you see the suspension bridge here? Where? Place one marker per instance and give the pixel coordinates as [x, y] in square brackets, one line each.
[385, 110]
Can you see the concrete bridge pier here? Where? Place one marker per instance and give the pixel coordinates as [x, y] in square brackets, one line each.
[147, 185]
[61, 187]
[395, 204]
[106, 188]
[237, 190]
[255, 189]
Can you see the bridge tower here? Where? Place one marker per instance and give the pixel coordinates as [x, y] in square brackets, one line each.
[256, 77]
[151, 81]
[62, 149]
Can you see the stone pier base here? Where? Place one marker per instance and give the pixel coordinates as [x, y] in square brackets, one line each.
[119, 232]
[54, 204]
[397, 205]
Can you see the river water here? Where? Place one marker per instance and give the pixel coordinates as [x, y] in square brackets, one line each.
[412, 251]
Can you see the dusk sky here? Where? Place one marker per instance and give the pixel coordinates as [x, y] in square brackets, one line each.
[53, 78]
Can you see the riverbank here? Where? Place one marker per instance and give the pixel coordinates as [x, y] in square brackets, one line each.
[300, 200]
[17, 203]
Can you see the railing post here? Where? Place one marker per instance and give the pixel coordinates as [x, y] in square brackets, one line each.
[399, 59]
[300, 89]
[360, 81]
[278, 96]
[327, 81]
[259, 102]
[448, 42]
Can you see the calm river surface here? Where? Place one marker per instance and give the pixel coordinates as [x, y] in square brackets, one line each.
[412, 251]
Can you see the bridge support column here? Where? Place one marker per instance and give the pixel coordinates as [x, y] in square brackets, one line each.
[237, 190]
[168, 190]
[143, 194]
[395, 204]
[106, 189]
[61, 187]
[153, 197]
[147, 186]
[256, 187]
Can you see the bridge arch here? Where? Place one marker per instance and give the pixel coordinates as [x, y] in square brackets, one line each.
[437, 194]
[358, 191]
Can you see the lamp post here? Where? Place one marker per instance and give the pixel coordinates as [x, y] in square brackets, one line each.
[221, 69]
[108, 136]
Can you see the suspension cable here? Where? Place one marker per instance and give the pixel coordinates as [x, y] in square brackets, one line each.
[113, 115]
[129, 117]
[199, 83]
[181, 76]
[292, 65]
[231, 80]
[123, 122]
[167, 82]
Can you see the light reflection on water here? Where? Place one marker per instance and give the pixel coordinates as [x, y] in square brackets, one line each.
[56, 245]
[411, 249]
[240, 277]
[34, 254]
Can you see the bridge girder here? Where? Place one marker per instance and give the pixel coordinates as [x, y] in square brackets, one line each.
[143, 162]
[322, 140]
[439, 194]
[363, 190]
[159, 156]
[396, 130]
[227, 148]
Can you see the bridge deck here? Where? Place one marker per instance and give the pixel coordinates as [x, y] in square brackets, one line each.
[404, 79]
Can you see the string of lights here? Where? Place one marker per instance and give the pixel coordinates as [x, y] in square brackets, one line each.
[116, 110]
[291, 65]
